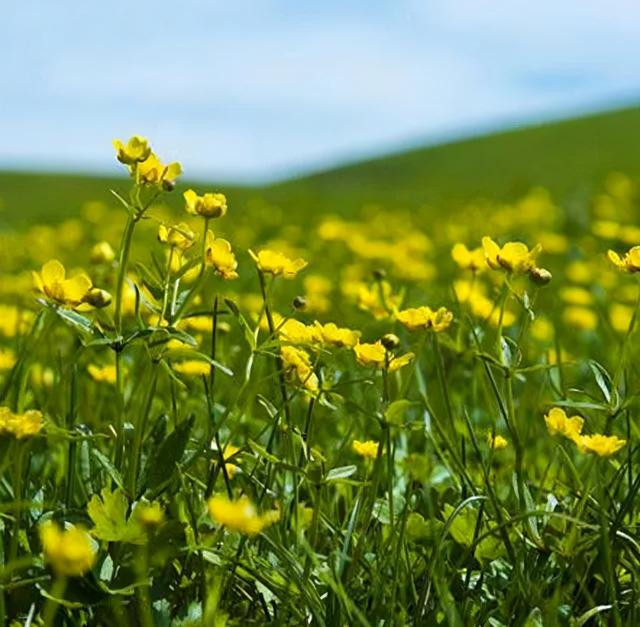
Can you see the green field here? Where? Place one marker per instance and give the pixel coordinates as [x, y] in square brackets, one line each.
[569, 157]
[399, 392]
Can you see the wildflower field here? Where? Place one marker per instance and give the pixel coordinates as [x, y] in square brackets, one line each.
[215, 410]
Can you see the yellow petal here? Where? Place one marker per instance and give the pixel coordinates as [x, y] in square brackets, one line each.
[52, 272]
[76, 287]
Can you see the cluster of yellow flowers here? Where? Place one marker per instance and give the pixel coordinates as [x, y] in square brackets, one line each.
[144, 165]
[571, 427]
[20, 425]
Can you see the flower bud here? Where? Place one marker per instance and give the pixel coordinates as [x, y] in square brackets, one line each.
[379, 274]
[102, 253]
[97, 298]
[540, 276]
[299, 302]
[390, 341]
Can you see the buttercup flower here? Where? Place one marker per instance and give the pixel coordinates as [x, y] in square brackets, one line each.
[105, 374]
[24, 425]
[152, 171]
[513, 256]
[375, 355]
[178, 235]
[137, 149]
[416, 318]
[333, 335]
[473, 260]
[52, 282]
[297, 361]
[275, 263]
[219, 256]
[240, 515]
[210, 205]
[557, 421]
[602, 445]
[365, 449]
[149, 514]
[629, 263]
[70, 552]
[7, 359]
[102, 253]
[192, 367]
[497, 442]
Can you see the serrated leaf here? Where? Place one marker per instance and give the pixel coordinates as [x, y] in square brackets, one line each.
[108, 512]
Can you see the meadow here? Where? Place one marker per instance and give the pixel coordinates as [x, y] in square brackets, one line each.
[401, 392]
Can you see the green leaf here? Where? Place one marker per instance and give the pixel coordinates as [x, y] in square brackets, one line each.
[396, 411]
[161, 466]
[462, 527]
[342, 472]
[82, 324]
[109, 515]
[262, 452]
[112, 471]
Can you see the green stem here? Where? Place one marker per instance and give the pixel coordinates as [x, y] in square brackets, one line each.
[51, 606]
[18, 470]
[123, 261]
[139, 434]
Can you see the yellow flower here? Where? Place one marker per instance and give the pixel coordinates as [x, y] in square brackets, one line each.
[370, 354]
[400, 361]
[333, 335]
[498, 442]
[14, 321]
[178, 235]
[220, 257]
[378, 299]
[557, 421]
[576, 295]
[149, 514]
[512, 257]
[375, 354]
[210, 205]
[135, 150]
[629, 263]
[473, 260]
[7, 359]
[70, 552]
[192, 368]
[580, 318]
[297, 361]
[620, 317]
[296, 332]
[275, 263]
[102, 253]
[22, 425]
[52, 282]
[240, 515]
[416, 318]
[152, 171]
[229, 451]
[102, 374]
[365, 449]
[542, 329]
[602, 445]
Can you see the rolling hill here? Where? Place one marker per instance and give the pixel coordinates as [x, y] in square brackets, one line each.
[568, 157]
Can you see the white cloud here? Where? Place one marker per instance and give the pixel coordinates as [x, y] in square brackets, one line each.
[255, 88]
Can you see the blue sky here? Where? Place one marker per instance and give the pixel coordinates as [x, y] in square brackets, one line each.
[252, 90]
